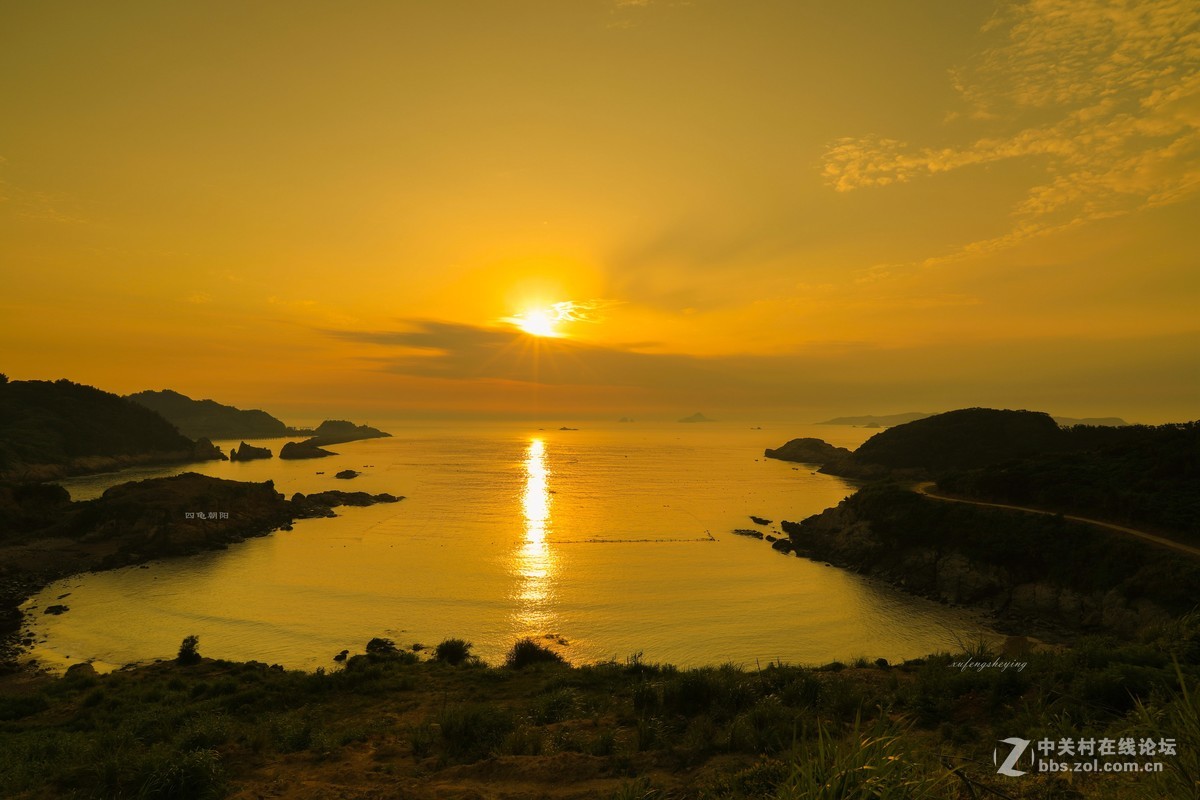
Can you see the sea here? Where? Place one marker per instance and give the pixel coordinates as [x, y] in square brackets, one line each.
[605, 541]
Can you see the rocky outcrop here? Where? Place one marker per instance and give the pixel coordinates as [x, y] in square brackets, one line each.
[339, 431]
[205, 450]
[809, 451]
[347, 474]
[697, 417]
[320, 504]
[752, 534]
[306, 449]
[248, 452]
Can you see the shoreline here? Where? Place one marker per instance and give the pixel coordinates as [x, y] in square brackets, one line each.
[138, 522]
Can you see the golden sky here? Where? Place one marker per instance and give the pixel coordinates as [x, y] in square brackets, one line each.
[754, 208]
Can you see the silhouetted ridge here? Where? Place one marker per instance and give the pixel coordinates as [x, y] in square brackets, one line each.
[211, 419]
[963, 439]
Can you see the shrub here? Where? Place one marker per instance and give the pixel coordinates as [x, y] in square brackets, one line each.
[453, 651]
[189, 652]
[526, 651]
[194, 775]
[473, 732]
[381, 647]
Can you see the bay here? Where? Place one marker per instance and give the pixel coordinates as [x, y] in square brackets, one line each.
[604, 541]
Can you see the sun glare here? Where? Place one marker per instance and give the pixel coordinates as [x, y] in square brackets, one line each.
[537, 323]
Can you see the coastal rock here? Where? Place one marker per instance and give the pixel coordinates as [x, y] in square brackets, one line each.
[782, 545]
[83, 670]
[306, 449]
[347, 474]
[320, 504]
[808, 450]
[248, 452]
[56, 610]
[748, 533]
[759, 520]
[205, 450]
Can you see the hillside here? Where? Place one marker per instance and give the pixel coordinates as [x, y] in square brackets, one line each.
[1139, 474]
[1025, 567]
[963, 439]
[210, 419]
[53, 428]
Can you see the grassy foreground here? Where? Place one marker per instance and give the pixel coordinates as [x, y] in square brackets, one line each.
[394, 723]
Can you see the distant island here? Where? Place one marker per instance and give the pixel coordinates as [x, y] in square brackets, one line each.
[340, 431]
[697, 417]
[52, 429]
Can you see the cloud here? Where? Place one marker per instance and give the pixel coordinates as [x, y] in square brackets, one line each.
[1105, 93]
[431, 348]
[1061, 375]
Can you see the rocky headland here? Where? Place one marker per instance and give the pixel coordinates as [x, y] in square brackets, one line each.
[45, 536]
[306, 449]
[1031, 571]
[340, 431]
[809, 451]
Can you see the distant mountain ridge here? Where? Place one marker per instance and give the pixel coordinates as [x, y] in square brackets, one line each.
[211, 419]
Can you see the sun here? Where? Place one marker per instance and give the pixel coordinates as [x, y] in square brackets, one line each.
[538, 322]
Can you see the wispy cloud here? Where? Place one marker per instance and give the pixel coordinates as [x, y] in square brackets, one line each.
[35, 205]
[1105, 92]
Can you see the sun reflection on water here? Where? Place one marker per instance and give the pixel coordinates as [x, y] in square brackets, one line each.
[533, 562]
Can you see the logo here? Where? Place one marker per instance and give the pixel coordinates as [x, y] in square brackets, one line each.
[1019, 746]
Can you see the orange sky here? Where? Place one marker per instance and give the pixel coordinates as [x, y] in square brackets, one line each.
[775, 208]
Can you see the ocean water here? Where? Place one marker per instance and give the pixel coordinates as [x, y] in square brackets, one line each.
[604, 541]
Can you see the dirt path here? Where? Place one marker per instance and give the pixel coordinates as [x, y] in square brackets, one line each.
[1194, 552]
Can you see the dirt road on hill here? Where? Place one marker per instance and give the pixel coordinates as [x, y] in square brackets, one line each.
[1161, 541]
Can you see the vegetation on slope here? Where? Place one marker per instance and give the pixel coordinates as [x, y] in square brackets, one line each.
[390, 724]
[1010, 561]
[60, 422]
[1138, 474]
[208, 418]
[969, 437]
